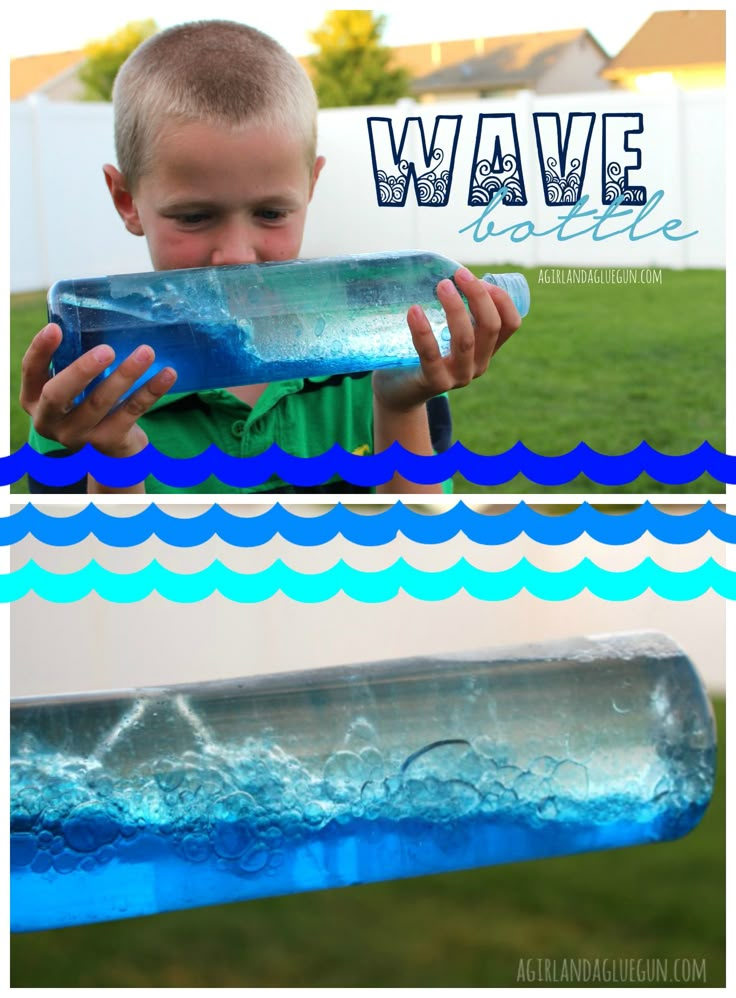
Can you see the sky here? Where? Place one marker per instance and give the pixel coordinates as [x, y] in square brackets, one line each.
[74, 23]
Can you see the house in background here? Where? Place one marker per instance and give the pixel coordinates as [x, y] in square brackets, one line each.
[547, 62]
[681, 48]
[53, 75]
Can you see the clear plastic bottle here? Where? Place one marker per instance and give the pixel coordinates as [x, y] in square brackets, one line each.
[132, 803]
[237, 325]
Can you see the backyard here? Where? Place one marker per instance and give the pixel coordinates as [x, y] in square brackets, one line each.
[609, 364]
[657, 904]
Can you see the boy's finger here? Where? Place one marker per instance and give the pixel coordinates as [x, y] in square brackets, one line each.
[488, 323]
[35, 364]
[56, 399]
[107, 394]
[427, 348]
[462, 333]
[119, 422]
[508, 312]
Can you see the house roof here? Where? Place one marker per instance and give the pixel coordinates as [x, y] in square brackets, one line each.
[429, 57]
[674, 38]
[31, 72]
[511, 61]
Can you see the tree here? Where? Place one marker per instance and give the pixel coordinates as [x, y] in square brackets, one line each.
[352, 67]
[104, 58]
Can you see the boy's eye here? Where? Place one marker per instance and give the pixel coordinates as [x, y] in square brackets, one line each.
[193, 218]
[271, 214]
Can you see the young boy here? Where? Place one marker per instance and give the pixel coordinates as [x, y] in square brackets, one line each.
[215, 134]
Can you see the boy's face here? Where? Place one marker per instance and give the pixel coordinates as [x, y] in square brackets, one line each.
[215, 195]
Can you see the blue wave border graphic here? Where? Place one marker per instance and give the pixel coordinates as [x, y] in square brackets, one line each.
[367, 530]
[368, 587]
[372, 470]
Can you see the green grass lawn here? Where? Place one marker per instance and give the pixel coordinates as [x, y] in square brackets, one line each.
[608, 364]
[471, 929]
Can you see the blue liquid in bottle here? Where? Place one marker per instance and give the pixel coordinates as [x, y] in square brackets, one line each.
[239, 325]
[126, 804]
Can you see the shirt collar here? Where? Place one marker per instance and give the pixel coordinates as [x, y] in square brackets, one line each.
[221, 396]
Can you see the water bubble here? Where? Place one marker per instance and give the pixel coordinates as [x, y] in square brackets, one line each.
[209, 790]
[233, 817]
[153, 806]
[508, 799]
[66, 862]
[442, 760]
[374, 763]
[360, 735]
[231, 840]
[89, 827]
[254, 861]
[346, 815]
[22, 849]
[547, 809]
[57, 845]
[437, 800]
[103, 786]
[527, 786]
[196, 848]
[426, 795]
[41, 863]
[472, 766]
[392, 786]
[27, 798]
[489, 785]
[508, 775]
[460, 797]
[344, 773]
[489, 805]
[290, 821]
[52, 816]
[168, 775]
[543, 765]
[316, 813]
[21, 820]
[570, 779]
[272, 835]
[373, 798]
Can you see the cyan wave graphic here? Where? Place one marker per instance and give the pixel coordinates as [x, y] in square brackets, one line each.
[371, 470]
[368, 587]
[367, 530]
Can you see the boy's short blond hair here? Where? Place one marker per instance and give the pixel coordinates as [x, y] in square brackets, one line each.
[221, 72]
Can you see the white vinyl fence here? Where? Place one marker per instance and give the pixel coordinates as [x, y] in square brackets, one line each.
[62, 222]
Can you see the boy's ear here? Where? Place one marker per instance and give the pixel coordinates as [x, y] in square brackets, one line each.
[122, 199]
[318, 164]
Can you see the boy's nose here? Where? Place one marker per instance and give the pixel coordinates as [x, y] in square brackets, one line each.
[234, 245]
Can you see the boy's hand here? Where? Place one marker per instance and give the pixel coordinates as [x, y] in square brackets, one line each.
[473, 341]
[49, 401]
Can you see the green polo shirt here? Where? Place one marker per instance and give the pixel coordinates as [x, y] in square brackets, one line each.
[305, 417]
